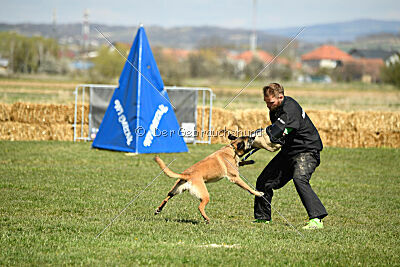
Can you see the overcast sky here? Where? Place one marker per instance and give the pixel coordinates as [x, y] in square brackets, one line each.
[224, 13]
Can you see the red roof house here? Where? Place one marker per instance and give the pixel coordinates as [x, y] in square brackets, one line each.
[326, 52]
[327, 56]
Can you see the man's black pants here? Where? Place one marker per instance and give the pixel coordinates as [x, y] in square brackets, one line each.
[279, 171]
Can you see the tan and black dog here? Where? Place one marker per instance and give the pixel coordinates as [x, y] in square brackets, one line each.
[220, 164]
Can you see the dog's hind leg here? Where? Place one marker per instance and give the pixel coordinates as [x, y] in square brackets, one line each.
[200, 190]
[176, 189]
[203, 203]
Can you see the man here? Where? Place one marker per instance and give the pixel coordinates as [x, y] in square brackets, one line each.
[297, 160]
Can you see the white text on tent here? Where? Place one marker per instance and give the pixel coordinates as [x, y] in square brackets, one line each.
[154, 124]
[122, 119]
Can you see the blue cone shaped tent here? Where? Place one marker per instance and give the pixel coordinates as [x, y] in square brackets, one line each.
[140, 117]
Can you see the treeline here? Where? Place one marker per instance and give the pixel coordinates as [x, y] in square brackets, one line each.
[43, 55]
[209, 63]
[30, 54]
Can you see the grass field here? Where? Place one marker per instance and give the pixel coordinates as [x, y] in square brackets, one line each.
[57, 196]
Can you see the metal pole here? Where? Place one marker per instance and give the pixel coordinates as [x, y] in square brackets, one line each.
[203, 113]
[75, 111]
[83, 110]
[90, 115]
[209, 127]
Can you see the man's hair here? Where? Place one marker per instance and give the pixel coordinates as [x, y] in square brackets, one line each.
[273, 89]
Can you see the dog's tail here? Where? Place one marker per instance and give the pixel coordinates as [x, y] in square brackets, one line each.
[168, 171]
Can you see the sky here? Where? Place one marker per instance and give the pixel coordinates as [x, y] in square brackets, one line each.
[223, 13]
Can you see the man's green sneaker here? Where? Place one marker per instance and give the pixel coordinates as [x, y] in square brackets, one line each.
[314, 224]
[261, 221]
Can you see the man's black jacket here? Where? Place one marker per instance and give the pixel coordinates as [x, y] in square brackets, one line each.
[304, 136]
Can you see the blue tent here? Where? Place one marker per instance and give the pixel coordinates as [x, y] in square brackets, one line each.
[140, 117]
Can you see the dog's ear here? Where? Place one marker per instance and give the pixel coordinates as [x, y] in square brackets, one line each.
[232, 137]
[240, 146]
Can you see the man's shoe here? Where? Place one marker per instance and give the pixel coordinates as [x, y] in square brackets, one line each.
[261, 221]
[314, 224]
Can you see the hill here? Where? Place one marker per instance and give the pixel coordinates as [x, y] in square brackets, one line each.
[340, 32]
[177, 37]
[194, 37]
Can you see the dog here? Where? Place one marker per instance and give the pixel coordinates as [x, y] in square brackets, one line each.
[220, 164]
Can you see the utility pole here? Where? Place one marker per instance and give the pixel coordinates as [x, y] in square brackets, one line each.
[85, 32]
[253, 37]
[54, 25]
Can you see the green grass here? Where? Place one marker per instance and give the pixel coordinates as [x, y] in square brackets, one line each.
[57, 196]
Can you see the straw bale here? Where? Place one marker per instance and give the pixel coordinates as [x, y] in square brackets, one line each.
[70, 115]
[16, 131]
[361, 138]
[252, 119]
[337, 128]
[24, 121]
[5, 110]
[360, 120]
[46, 113]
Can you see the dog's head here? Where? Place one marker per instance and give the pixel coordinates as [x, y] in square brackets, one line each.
[242, 145]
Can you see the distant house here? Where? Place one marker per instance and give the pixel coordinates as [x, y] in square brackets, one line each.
[3, 65]
[326, 56]
[393, 58]
[3, 62]
[244, 58]
[358, 64]
[178, 54]
[372, 60]
[365, 69]
[386, 56]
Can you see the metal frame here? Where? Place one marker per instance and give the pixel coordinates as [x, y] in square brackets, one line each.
[80, 89]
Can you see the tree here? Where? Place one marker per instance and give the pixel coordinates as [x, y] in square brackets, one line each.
[27, 54]
[280, 72]
[391, 73]
[253, 68]
[108, 64]
[203, 64]
[173, 70]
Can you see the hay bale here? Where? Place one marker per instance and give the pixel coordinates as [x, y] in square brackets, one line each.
[337, 128]
[354, 139]
[69, 118]
[222, 122]
[46, 113]
[248, 120]
[17, 131]
[5, 110]
[24, 121]
[360, 120]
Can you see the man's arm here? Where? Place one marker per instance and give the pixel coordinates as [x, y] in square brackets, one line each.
[276, 134]
[281, 127]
